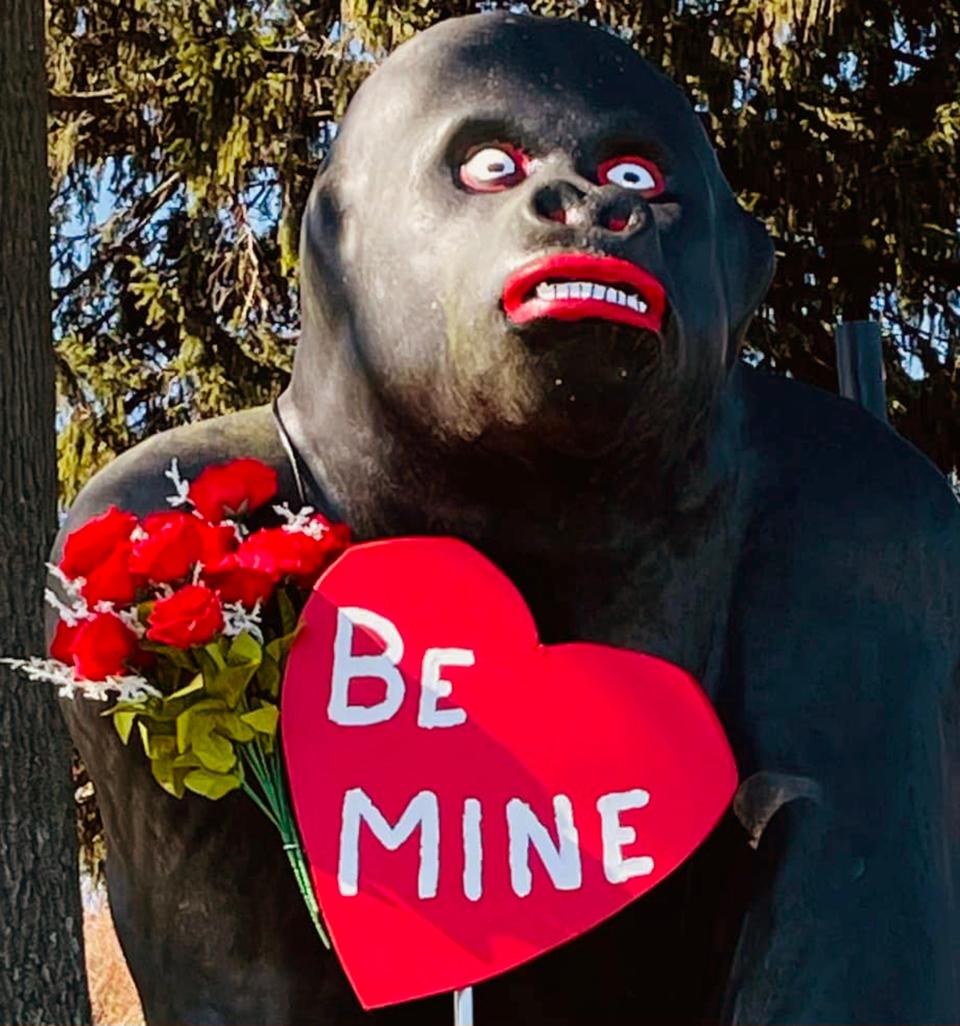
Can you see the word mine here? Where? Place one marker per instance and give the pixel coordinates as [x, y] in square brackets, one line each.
[557, 846]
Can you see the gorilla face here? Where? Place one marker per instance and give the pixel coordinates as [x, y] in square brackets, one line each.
[524, 238]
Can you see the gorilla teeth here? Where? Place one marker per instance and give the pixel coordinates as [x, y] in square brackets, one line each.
[590, 290]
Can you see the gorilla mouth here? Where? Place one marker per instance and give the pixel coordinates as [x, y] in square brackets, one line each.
[576, 286]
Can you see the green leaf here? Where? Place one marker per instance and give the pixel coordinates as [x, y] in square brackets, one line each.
[288, 614]
[157, 743]
[194, 712]
[181, 658]
[216, 650]
[263, 720]
[169, 777]
[209, 666]
[279, 647]
[123, 721]
[214, 751]
[230, 683]
[195, 686]
[212, 785]
[174, 704]
[274, 653]
[242, 662]
[209, 729]
[245, 650]
[167, 675]
[268, 676]
[189, 760]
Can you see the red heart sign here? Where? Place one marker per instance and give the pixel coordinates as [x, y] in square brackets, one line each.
[467, 797]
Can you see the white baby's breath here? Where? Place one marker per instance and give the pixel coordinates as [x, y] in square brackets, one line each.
[240, 531]
[126, 687]
[182, 496]
[237, 619]
[70, 585]
[71, 613]
[131, 619]
[71, 606]
[301, 522]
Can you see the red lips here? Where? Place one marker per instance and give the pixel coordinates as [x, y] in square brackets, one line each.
[573, 286]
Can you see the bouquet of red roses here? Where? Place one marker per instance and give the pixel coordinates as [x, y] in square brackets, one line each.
[182, 620]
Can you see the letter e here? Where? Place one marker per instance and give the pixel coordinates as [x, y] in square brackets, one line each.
[433, 687]
[616, 836]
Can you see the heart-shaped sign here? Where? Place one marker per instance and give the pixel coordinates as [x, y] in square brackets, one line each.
[467, 797]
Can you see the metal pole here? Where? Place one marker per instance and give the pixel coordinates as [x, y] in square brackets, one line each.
[463, 1007]
[860, 365]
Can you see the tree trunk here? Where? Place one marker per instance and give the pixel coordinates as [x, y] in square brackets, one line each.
[41, 942]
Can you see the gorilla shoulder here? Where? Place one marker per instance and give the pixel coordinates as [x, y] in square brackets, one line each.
[135, 480]
[827, 462]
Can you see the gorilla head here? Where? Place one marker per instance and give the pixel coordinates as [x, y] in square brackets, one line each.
[522, 240]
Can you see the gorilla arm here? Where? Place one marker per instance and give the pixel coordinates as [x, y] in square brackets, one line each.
[845, 657]
[181, 873]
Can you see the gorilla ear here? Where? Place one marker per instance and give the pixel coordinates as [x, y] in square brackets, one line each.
[748, 265]
[320, 245]
[321, 219]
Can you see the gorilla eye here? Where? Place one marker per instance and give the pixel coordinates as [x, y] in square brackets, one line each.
[634, 173]
[493, 168]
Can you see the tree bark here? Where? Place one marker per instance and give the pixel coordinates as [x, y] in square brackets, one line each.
[41, 941]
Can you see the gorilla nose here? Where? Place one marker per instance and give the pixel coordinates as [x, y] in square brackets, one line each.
[605, 207]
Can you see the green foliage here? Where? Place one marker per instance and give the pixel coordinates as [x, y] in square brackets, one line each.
[194, 733]
[199, 124]
[217, 733]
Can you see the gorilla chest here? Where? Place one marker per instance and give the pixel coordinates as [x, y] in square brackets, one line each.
[674, 607]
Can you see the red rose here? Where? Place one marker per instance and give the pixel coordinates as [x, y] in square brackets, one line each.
[175, 542]
[112, 580]
[87, 547]
[236, 583]
[216, 542]
[102, 646]
[62, 645]
[228, 489]
[170, 549]
[337, 536]
[190, 616]
[279, 552]
[270, 550]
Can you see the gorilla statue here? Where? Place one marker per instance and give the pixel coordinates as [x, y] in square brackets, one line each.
[524, 285]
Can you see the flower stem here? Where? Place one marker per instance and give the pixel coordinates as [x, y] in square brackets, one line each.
[302, 873]
[258, 801]
[267, 771]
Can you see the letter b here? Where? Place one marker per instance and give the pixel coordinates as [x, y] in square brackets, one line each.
[347, 667]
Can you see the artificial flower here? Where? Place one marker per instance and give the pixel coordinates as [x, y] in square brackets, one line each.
[236, 583]
[102, 646]
[234, 488]
[169, 549]
[90, 545]
[112, 580]
[61, 647]
[301, 554]
[190, 616]
[216, 542]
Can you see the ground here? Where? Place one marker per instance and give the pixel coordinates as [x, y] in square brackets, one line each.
[112, 993]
